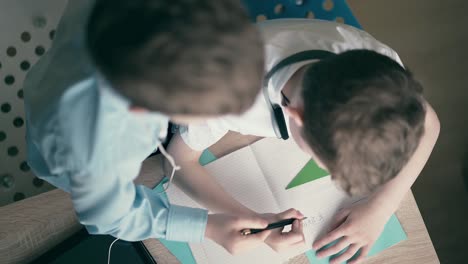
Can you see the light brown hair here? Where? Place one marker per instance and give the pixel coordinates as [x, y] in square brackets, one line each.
[364, 117]
[178, 57]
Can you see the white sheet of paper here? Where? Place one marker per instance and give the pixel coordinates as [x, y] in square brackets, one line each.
[319, 200]
[257, 177]
[239, 174]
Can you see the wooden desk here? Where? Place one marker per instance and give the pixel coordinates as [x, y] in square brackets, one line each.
[417, 249]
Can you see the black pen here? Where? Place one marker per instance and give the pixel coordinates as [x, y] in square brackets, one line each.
[279, 224]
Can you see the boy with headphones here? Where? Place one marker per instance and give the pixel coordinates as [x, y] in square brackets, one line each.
[350, 104]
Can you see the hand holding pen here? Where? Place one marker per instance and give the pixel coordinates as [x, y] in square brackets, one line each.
[277, 239]
[279, 224]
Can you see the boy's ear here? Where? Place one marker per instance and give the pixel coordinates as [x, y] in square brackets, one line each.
[297, 114]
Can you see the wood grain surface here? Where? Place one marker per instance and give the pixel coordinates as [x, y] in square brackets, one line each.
[30, 227]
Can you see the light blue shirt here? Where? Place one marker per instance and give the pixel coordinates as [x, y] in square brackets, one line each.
[82, 138]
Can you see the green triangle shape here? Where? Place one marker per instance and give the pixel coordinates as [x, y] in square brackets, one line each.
[307, 174]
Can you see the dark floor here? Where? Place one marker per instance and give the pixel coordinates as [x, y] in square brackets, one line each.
[432, 39]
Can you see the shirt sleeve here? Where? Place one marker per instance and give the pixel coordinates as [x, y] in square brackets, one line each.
[115, 206]
[201, 136]
[98, 172]
[104, 196]
[89, 147]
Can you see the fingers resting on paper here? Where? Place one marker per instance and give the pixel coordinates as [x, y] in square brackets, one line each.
[352, 233]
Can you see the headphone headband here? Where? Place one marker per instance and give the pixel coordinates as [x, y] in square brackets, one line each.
[277, 116]
[298, 57]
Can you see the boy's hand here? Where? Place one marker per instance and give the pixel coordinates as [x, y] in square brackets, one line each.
[357, 228]
[280, 241]
[226, 231]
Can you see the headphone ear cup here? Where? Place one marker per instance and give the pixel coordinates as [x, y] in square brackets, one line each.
[280, 121]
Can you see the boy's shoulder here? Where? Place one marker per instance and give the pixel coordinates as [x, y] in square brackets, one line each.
[92, 127]
[63, 128]
[270, 29]
[284, 37]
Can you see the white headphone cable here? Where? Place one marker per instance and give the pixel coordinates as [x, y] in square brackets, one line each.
[171, 160]
[109, 251]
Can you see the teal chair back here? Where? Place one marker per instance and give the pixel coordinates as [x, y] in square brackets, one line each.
[334, 10]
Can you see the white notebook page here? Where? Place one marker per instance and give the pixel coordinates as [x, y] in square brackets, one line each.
[257, 177]
[318, 200]
[240, 175]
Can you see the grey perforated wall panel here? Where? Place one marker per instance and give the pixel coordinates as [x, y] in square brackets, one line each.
[27, 29]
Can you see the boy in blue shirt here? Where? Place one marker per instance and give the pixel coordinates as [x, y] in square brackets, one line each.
[98, 103]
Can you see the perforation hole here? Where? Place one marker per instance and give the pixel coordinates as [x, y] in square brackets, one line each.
[24, 167]
[38, 182]
[18, 196]
[39, 21]
[25, 65]
[52, 34]
[18, 122]
[9, 79]
[11, 51]
[279, 9]
[328, 5]
[12, 151]
[39, 50]
[20, 94]
[7, 181]
[261, 18]
[3, 136]
[5, 108]
[25, 36]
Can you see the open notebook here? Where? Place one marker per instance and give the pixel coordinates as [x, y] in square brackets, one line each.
[257, 176]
